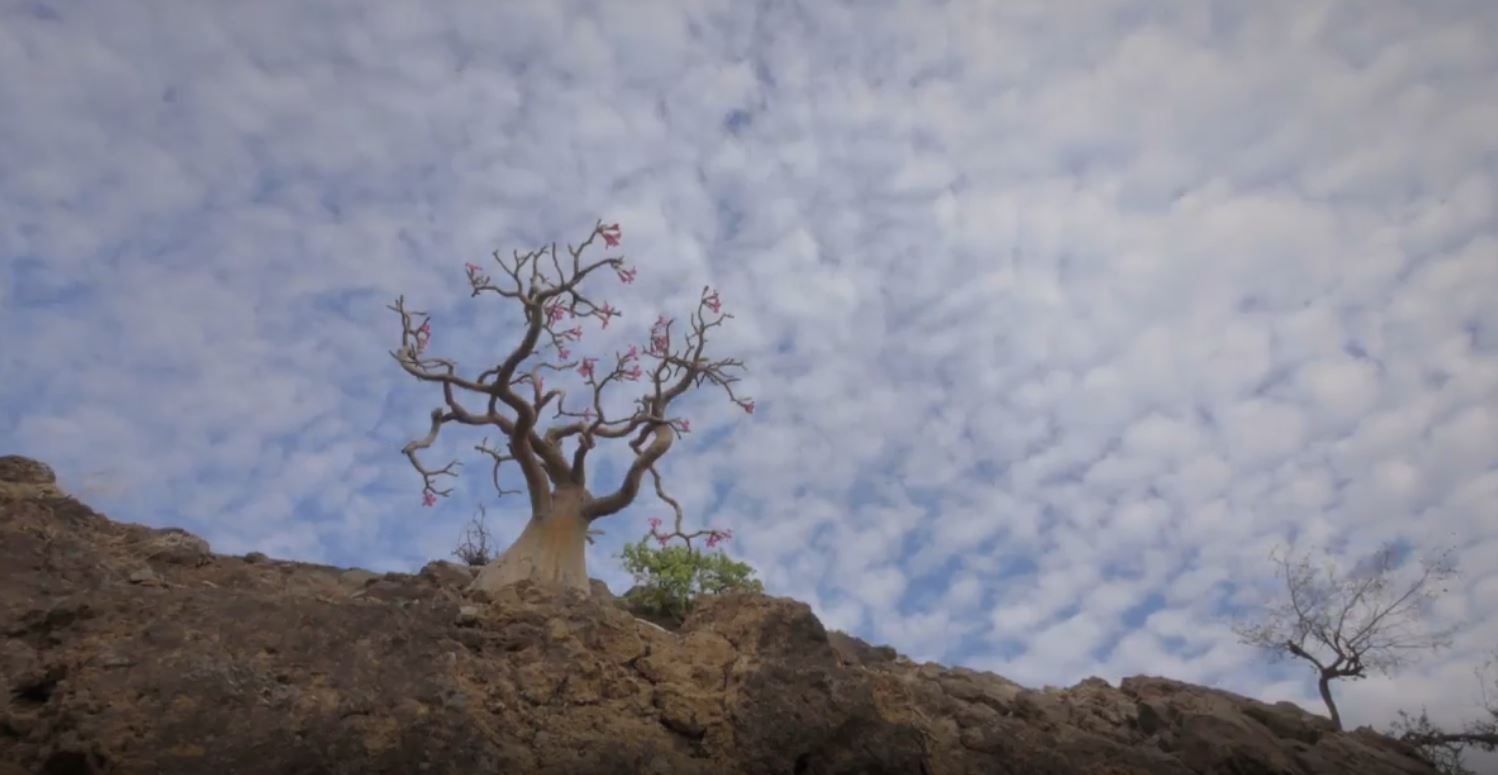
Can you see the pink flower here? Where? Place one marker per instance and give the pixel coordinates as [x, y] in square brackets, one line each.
[663, 539]
[686, 425]
[554, 313]
[627, 275]
[632, 374]
[576, 332]
[659, 345]
[587, 369]
[748, 406]
[610, 235]
[472, 268]
[428, 499]
[632, 354]
[565, 353]
[608, 312]
[660, 336]
[655, 523]
[712, 302]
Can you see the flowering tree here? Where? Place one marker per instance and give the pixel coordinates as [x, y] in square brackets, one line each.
[512, 397]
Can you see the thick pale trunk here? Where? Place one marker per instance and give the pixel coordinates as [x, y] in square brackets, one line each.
[549, 551]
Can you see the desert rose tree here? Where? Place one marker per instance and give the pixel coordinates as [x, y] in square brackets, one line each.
[513, 398]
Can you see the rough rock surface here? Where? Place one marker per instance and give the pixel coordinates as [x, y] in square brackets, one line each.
[125, 649]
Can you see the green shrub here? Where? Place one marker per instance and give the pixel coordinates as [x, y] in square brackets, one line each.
[669, 580]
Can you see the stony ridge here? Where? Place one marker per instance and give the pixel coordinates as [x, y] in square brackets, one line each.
[126, 649]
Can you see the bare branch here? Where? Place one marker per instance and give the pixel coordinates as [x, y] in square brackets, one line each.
[475, 549]
[483, 446]
[428, 476]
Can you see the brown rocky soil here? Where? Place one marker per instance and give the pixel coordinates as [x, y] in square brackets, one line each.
[125, 649]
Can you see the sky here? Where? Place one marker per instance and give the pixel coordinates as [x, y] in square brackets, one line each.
[1058, 317]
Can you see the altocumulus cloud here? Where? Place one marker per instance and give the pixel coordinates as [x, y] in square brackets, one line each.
[1059, 317]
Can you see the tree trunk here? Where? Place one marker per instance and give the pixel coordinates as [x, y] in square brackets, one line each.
[1324, 684]
[549, 551]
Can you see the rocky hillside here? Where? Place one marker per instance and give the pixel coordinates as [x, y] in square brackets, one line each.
[125, 649]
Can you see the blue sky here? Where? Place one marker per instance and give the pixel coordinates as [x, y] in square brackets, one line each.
[1058, 317]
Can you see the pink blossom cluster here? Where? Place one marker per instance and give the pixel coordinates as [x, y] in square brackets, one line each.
[718, 536]
[660, 337]
[714, 537]
[423, 335]
[610, 234]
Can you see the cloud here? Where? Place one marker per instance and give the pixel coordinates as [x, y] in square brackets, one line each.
[1057, 320]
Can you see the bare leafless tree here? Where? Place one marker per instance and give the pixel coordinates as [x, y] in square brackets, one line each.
[475, 549]
[1444, 749]
[1346, 624]
[511, 397]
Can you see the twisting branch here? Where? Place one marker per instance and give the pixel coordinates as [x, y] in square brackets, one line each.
[428, 476]
[713, 536]
[681, 369]
[483, 446]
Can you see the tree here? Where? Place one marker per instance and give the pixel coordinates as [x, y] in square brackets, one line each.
[1444, 749]
[1347, 624]
[511, 397]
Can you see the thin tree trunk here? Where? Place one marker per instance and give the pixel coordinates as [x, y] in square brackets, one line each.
[1324, 684]
[549, 551]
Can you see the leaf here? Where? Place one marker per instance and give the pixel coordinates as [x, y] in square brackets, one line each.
[670, 579]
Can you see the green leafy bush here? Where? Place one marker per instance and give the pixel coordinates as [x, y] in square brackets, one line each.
[668, 580]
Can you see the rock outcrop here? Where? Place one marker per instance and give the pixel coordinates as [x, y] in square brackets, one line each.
[125, 649]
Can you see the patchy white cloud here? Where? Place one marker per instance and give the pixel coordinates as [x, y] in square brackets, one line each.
[1058, 320]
